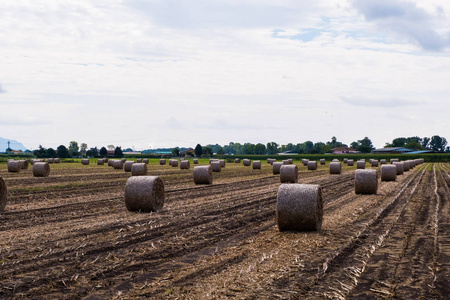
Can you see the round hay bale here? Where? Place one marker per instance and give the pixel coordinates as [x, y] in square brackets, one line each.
[110, 162]
[203, 175]
[388, 172]
[335, 167]
[31, 161]
[127, 166]
[195, 161]
[285, 162]
[185, 165]
[123, 160]
[406, 166]
[276, 166]
[138, 169]
[322, 161]
[174, 163]
[345, 160]
[216, 166]
[144, 193]
[382, 161]
[105, 159]
[145, 161]
[222, 163]
[400, 167]
[41, 169]
[118, 164]
[56, 160]
[289, 173]
[14, 166]
[290, 161]
[181, 158]
[247, 162]
[3, 195]
[256, 165]
[23, 164]
[336, 160]
[363, 159]
[360, 164]
[299, 207]
[50, 160]
[350, 162]
[100, 162]
[366, 182]
[237, 160]
[162, 162]
[305, 161]
[374, 163]
[85, 161]
[392, 160]
[139, 160]
[312, 165]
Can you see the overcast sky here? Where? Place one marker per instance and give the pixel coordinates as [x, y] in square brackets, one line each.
[142, 73]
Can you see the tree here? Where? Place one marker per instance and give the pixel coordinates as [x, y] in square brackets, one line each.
[260, 149]
[62, 151]
[103, 152]
[438, 143]
[354, 145]
[272, 148]
[175, 151]
[51, 152]
[92, 152]
[118, 152]
[110, 147]
[73, 148]
[83, 148]
[425, 142]
[220, 151]
[207, 151]
[249, 148]
[365, 145]
[198, 150]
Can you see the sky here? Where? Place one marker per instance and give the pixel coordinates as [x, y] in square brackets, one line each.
[165, 73]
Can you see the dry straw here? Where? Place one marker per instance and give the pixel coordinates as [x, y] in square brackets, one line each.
[127, 166]
[118, 164]
[392, 160]
[3, 195]
[222, 163]
[50, 160]
[162, 162]
[276, 166]
[23, 164]
[382, 161]
[345, 160]
[322, 161]
[216, 166]
[366, 182]
[237, 160]
[56, 160]
[289, 174]
[174, 163]
[360, 164]
[374, 163]
[138, 169]
[195, 161]
[145, 161]
[388, 172]
[400, 167]
[350, 162]
[312, 165]
[100, 162]
[305, 161]
[14, 166]
[406, 166]
[139, 160]
[203, 175]
[110, 162]
[299, 207]
[335, 167]
[41, 169]
[144, 193]
[185, 165]
[256, 164]
[285, 162]
[247, 162]
[290, 161]
[85, 161]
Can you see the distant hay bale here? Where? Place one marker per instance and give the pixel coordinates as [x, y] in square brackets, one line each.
[412, 163]
[256, 165]
[305, 161]
[145, 161]
[174, 163]
[345, 160]
[139, 160]
[335, 167]
[41, 169]
[360, 164]
[203, 175]
[362, 159]
[400, 167]
[276, 166]
[139, 169]
[337, 160]
[271, 160]
[123, 160]
[406, 166]
[247, 162]
[299, 207]
[85, 161]
[216, 166]
[312, 165]
[290, 161]
[222, 163]
[118, 164]
[3, 195]
[392, 160]
[374, 163]
[185, 165]
[162, 162]
[56, 160]
[366, 182]
[382, 161]
[237, 160]
[50, 160]
[211, 160]
[181, 158]
[144, 193]
[100, 162]
[195, 161]
[350, 162]
[289, 173]
[23, 164]
[127, 166]
[322, 161]
[14, 166]
[285, 162]
[388, 172]
[110, 162]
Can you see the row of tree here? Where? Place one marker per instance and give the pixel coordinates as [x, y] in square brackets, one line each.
[76, 151]
[435, 143]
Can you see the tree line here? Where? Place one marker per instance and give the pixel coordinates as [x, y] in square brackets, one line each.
[75, 150]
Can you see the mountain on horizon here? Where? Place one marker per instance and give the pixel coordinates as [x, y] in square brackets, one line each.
[15, 145]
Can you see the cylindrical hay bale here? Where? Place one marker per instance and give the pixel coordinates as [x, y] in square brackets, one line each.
[100, 162]
[289, 174]
[127, 166]
[285, 162]
[412, 163]
[388, 172]
[392, 160]
[50, 160]
[350, 162]
[305, 161]
[118, 164]
[23, 164]
[247, 162]
[312, 165]
[185, 165]
[144, 193]
[162, 162]
[363, 159]
[374, 163]
[85, 161]
[211, 160]
[105, 159]
[322, 161]
[382, 161]
[139, 160]
[41, 169]
[237, 160]
[138, 169]
[345, 160]
[195, 161]
[181, 158]
[335, 167]
[290, 161]
[123, 160]
[216, 167]
[56, 160]
[299, 207]
[256, 165]
[3, 194]
[31, 161]
[336, 160]
[110, 162]
[145, 161]
[14, 166]
[222, 163]
[276, 166]
[400, 167]
[174, 163]
[360, 164]
[406, 166]
[366, 182]
[203, 175]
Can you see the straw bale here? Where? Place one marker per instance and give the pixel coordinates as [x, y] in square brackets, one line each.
[337, 160]
[382, 161]
[50, 160]
[256, 164]
[203, 175]
[345, 160]
[145, 161]
[322, 161]
[222, 163]
[118, 164]
[105, 159]
[23, 164]
[41, 169]
[350, 162]
[285, 162]
[276, 166]
[374, 163]
[366, 182]
[185, 165]
[139, 160]
[392, 160]
[299, 207]
[162, 162]
[127, 166]
[216, 166]
[144, 193]
[388, 172]
[56, 160]
[360, 164]
[100, 162]
[237, 160]
[138, 169]
[247, 162]
[195, 161]
[335, 167]
[123, 160]
[110, 162]
[174, 163]
[85, 161]
[3, 195]
[305, 161]
[400, 167]
[14, 166]
[312, 165]
[290, 161]
[289, 173]
[406, 166]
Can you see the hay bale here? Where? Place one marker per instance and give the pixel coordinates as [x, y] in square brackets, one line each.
[256, 165]
[23, 164]
[289, 174]
[110, 162]
[362, 159]
[100, 162]
[174, 163]
[360, 164]
[322, 161]
[366, 182]
[345, 160]
[127, 166]
[312, 165]
[118, 164]
[400, 167]
[144, 193]
[139, 160]
[374, 163]
[85, 161]
[299, 207]
[185, 165]
[216, 166]
[247, 162]
[181, 158]
[123, 160]
[237, 160]
[392, 160]
[195, 161]
[3, 195]
[50, 160]
[350, 162]
[138, 169]
[337, 160]
[222, 163]
[406, 166]
[14, 166]
[388, 172]
[162, 162]
[290, 161]
[382, 161]
[285, 162]
[41, 169]
[56, 160]
[203, 175]
[305, 161]
[276, 166]
[335, 167]
[145, 161]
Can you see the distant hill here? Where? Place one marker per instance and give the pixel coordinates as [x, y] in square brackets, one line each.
[15, 145]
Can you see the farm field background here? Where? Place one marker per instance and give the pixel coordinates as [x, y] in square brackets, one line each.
[69, 236]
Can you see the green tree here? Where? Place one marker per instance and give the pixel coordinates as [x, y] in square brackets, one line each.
[92, 152]
[260, 149]
[51, 152]
[365, 145]
[198, 150]
[175, 151]
[118, 152]
[62, 151]
[354, 145]
[272, 148]
[83, 148]
[425, 142]
[220, 151]
[103, 152]
[207, 151]
[249, 148]
[73, 148]
[438, 143]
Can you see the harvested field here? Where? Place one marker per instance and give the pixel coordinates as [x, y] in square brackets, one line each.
[70, 236]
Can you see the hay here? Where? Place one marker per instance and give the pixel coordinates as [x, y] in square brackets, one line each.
[14, 166]
[312, 165]
[366, 182]
[123, 160]
[185, 165]
[203, 175]
[110, 162]
[216, 166]
[388, 172]
[256, 165]
[360, 164]
[322, 161]
[350, 162]
[174, 163]
[374, 163]
[285, 162]
[127, 166]
[337, 160]
[289, 174]
[144, 193]
[393, 160]
[247, 162]
[100, 162]
[3, 195]
[85, 161]
[181, 158]
[382, 161]
[237, 160]
[139, 160]
[222, 163]
[290, 161]
[305, 162]
[117, 164]
[345, 160]
[400, 167]
[23, 164]
[162, 162]
[195, 161]
[335, 167]
[56, 160]
[276, 166]
[50, 160]
[299, 207]
[41, 169]
[406, 166]
[145, 161]
[105, 159]
[138, 169]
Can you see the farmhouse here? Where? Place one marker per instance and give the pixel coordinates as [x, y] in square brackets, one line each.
[343, 150]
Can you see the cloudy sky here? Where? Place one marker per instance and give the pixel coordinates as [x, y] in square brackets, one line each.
[164, 73]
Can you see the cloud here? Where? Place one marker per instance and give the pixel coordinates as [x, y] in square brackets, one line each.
[2, 90]
[379, 102]
[406, 20]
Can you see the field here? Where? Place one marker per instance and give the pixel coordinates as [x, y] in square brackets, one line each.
[69, 236]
